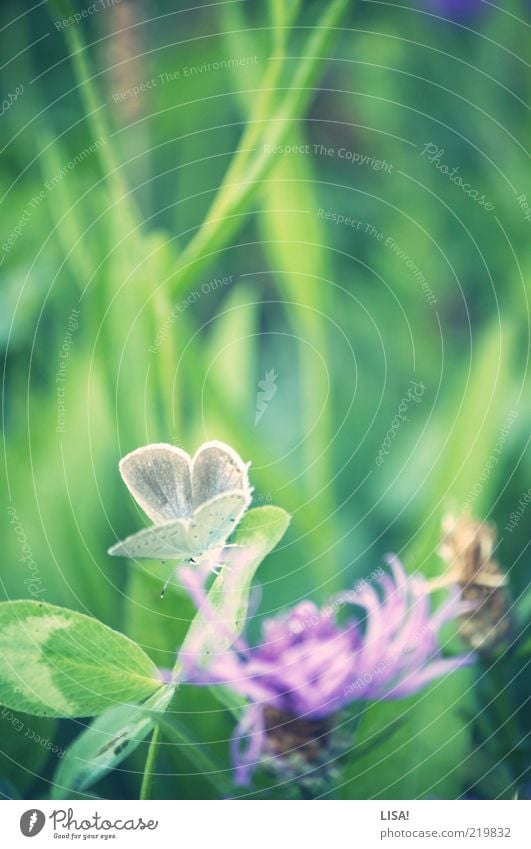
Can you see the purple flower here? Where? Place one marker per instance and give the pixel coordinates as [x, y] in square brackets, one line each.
[308, 667]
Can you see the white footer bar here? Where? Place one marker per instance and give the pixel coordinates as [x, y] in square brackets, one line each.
[267, 824]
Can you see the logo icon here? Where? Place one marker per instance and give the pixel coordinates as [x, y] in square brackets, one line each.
[32, 822]
[268, 387]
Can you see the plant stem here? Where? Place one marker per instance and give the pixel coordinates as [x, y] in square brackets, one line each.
[95, 115]
[223, 215]
[147, 778]
[197, 753]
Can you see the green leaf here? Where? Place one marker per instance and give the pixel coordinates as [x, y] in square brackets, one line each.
[232, 347]
[197, 753]
[294, 241]
[464, 470]
[236, 190]
[28, 742]
[57, 662]
[106, 743]
[21, 296]
[259, 532]
[422, 758]
[117, 733]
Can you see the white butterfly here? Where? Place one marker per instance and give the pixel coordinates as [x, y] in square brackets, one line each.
[195, 503]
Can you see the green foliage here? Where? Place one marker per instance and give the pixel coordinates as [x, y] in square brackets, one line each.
[56, 662]
[106, 743]
[117, 733]
[258, 533]
[422, 758]
[28, 744]
[182, 192]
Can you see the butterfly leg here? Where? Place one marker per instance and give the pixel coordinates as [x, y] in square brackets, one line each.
[226, 565]
[218, 568]
[215, 569]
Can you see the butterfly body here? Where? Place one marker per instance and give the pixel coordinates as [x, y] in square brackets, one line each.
[194, 502]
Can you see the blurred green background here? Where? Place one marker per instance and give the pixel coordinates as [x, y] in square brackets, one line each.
[111, 159]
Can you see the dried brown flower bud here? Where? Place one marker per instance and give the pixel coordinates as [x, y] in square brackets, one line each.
[467, 546]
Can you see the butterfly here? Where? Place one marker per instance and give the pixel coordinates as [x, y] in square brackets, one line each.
[194, 502]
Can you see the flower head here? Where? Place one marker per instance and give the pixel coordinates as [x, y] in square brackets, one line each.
[309, 666]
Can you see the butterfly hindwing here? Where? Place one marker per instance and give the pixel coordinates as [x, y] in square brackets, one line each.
[159, 478]
[215, 520]
[216, 469]
[161, 542]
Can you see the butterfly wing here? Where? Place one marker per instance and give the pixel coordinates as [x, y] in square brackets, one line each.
[215, 520]
[159, 478]
[217, 469]
[161, 542]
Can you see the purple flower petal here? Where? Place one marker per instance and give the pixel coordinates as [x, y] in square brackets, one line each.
[308, 667]
[249, 731]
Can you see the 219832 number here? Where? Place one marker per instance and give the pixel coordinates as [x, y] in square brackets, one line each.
[482, 831]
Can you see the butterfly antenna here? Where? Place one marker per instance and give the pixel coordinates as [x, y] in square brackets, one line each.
[165, 587]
